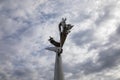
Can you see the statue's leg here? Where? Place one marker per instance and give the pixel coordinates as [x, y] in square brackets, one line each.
[62, 38]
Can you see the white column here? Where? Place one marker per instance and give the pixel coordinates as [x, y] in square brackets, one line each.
[58, 72]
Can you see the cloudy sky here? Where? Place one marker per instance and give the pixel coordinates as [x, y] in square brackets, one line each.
[91, 51]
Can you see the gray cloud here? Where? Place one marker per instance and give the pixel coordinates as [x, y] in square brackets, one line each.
[83, 37]
[26, 25]
[104, 14]
[115, 37]
[2, 76]
[118, 30]
[106, 59]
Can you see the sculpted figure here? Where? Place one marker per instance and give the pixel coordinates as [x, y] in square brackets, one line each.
[64, 29]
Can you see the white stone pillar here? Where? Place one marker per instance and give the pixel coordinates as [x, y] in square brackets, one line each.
[58, 72]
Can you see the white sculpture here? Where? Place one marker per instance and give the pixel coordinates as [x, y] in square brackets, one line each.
[64, 29]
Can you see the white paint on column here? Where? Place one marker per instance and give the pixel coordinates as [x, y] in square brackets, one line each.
[58, 73]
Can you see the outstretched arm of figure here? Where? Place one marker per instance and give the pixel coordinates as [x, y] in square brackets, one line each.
[53, 42]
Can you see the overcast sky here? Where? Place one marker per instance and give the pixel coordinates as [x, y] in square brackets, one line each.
[91, 51]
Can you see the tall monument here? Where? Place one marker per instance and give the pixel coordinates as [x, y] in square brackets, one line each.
[64, 30]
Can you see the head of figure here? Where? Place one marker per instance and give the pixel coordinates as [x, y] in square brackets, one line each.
[63, 22]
